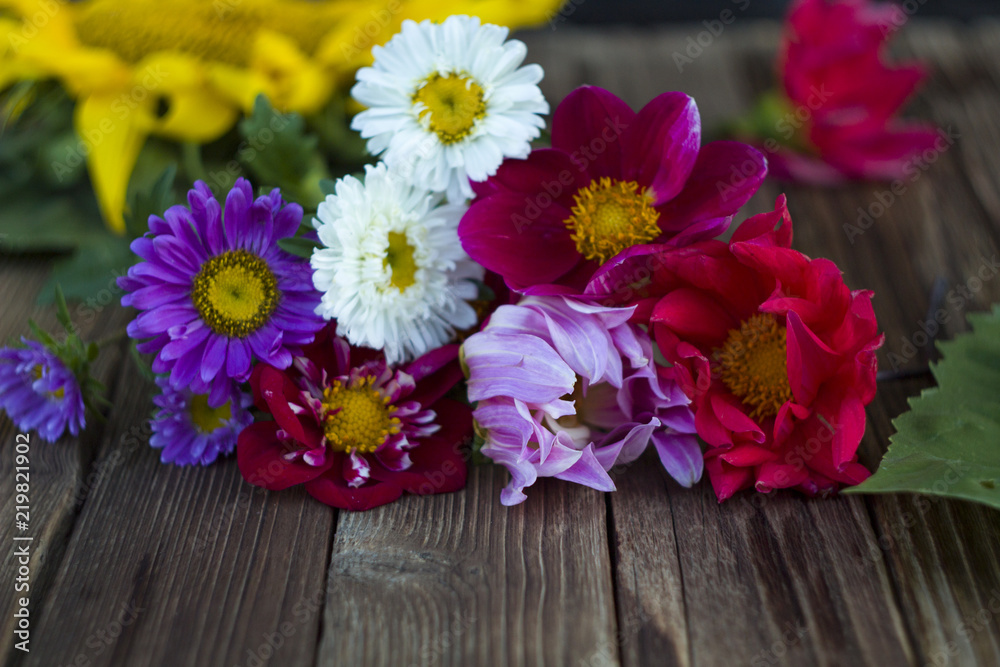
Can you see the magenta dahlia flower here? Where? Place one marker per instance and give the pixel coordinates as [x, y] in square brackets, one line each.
[613, 178]
[776, 353]
[217, 292]
[38, 391]
[354, 431]
[835, 117]
[189, 431]
[567, 389]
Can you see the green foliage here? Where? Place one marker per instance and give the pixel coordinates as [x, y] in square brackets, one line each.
[948, 444]
[154, 201]
[278, 152]
[298, 246]
[75, 353]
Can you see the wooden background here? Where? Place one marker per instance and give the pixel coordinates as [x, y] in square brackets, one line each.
[137, 563]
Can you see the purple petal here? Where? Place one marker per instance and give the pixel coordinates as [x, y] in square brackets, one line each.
[588, 471]
[522, 367]
[680, 455]
[215, 357]
[238, 359]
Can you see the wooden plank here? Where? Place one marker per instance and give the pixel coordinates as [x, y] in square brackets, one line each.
[931, 227]
[763, 578]
[183, 566]
[57, 470]
[458, 579]
[193, 567]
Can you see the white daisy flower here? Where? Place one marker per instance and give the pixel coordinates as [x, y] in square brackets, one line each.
[448, 102]
[392, 272]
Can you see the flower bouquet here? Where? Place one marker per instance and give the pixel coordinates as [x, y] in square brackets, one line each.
[477, 286]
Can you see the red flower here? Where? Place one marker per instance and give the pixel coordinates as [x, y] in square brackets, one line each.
[838, 116]
[775, 352]
[612, 179]
[354, 431]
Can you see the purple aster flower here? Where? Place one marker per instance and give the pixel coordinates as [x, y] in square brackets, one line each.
[39, 392]
[217, 292]
[190, 431]
[568, 389]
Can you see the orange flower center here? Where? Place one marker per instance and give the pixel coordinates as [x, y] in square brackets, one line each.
[753, 365]
[610, 216]
[357, 416]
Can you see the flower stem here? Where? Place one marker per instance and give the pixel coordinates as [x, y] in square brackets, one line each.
[113, 338]
[191, 156]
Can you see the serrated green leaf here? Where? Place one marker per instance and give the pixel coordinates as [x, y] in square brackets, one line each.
[90, 274]
[36, 221]
[298, 246]
[344, 145]
[328, 186]
[41, 335]
[62, 310]
[946, 445]
[145, 371]
[154, 201]
[278, 152]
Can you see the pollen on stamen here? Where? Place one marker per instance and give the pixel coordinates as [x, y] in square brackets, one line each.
[610, 216]
[753, 365]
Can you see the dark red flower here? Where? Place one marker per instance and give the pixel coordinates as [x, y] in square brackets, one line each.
[613, 178]
[775, 352]
[836, 116]
[356, 432]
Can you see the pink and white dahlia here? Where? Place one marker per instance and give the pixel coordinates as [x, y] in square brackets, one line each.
[569, 389]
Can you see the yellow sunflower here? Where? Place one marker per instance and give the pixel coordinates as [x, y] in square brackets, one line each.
[187, 69]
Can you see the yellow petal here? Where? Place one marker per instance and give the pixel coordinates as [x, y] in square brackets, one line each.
[294, 82]
[241, 86]
[194, 111]
[112, 138]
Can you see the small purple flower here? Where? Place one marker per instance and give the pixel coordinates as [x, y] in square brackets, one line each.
[39, 392]
[568, 389]
[217, 292]
[190, 432]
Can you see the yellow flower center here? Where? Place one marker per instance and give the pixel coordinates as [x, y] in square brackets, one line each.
[221, 30]
[610, 216]
[235, 293]
[754, 365]
[399, 257]
[58, 394]
[451, 105]
[208, 419]
[357, 416]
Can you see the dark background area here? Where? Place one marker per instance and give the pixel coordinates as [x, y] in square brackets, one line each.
[657, 11]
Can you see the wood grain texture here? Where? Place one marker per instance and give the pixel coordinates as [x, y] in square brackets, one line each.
[138, 563]
[458, 579]
[57, 470]
[182, 566]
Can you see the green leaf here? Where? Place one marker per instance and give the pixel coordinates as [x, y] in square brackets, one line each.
[277, 150]
[154, 201]
[141, 363]
[946, 445]
[328, 186]
[298, 246]
[37, 221]
[62, 310]
[90, 274]
[42, 336]
[333, 125]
